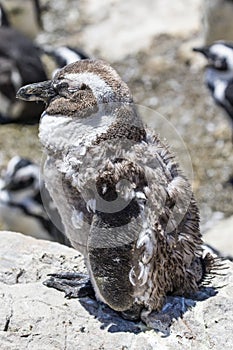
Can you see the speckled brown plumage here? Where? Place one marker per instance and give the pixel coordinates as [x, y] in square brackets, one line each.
[123, 199]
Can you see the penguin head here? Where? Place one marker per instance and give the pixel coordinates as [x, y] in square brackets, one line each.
[21, 176]
[219, 55]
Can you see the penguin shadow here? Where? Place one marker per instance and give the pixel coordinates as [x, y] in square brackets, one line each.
[174, 308]
[108, 318]
[78, 285]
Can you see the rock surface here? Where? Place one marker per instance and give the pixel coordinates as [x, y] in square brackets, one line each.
[218, 20]
[35, 317]
[113, 29]
[136, 23]
[220, 237]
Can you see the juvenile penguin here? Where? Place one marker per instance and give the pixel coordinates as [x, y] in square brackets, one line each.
[124, 202]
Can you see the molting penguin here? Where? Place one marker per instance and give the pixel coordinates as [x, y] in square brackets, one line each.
[123, 200]
[21, 206]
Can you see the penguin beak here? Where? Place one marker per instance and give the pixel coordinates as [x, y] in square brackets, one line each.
[204, 50]
[213, 60]
[42, 91]
[6, 186]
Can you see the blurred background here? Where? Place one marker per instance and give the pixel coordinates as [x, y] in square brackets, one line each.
[150, 44]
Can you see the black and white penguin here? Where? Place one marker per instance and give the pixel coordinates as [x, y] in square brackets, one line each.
[61, 56]
[64, 55]
[21, 206]
[20, 64]
[219, 73]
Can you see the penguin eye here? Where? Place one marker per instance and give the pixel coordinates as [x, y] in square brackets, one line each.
[17, 185]
[81, 87]
[59, 86]
[219, 62]
[84, 87]
[224, 63]
[26, 183]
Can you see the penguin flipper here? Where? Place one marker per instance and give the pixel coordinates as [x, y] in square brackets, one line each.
[73, 284]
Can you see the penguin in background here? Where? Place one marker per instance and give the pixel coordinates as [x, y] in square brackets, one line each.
[20, 64]
[25, 16]
[219, 74]
[23, 197]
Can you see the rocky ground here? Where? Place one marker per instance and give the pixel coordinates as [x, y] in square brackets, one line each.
[35, 317]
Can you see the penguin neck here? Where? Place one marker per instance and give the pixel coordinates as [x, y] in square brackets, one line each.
[213, 74]
[58, 133]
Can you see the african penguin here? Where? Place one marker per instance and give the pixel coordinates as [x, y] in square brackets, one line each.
[219, 74]
[64, 55]
[58, 57]
[21, 206]
[20, 64]
[122, 197]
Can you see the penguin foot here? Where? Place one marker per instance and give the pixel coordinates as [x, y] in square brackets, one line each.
[73, 284]
[161, 321]
[132, 314]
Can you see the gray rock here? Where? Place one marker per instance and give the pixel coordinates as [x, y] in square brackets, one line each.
[35, 317]
[105, 18]
[220, 237]
[97, 22]
[218, 20]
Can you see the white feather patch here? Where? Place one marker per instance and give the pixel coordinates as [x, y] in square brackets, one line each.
[69, 55]
[60, 132]
[219, 92]
[223, 52]
[98, 86]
